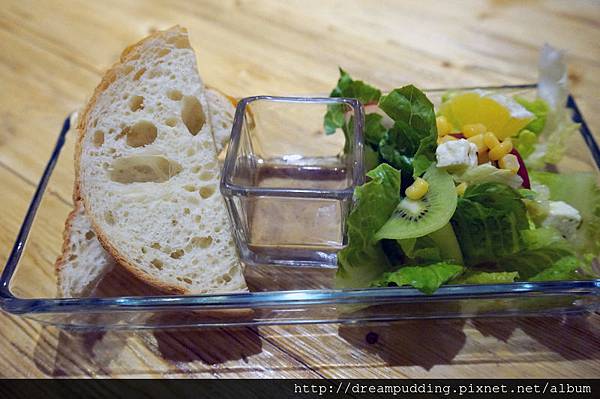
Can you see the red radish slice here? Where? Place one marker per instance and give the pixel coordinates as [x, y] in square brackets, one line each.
[522, 169]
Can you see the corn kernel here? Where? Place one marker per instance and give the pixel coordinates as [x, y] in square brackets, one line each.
[510, 162]
[418, 189]
[473, 129]
[479, 142]
[444, 139]
[443, 126]
[490, 140]
[461, 188]
[501, 149]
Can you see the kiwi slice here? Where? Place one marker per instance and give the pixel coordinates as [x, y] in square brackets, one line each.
[417, 218]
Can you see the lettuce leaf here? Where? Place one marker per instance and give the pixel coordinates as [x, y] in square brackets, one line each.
[555, 144]
[487, 222]
[526, 143]
[441, 245]
[363, 259]
[559, 126]
[411, 143]
[420, 250]
[581, 191]
[477, 277]
[564, 269]
[488, 173]
[374, 129]
[426, 279]
[543, 247]
[530, 262]
[539, 108]
[347, 87]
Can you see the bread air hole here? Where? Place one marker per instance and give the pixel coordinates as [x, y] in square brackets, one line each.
[142, 133]
[207, 191]
[177, 254]
[186, 211]
[89, 235]
[98, 138]
[196, 169]
[109, 217]
[206, 175]
[136, 103]
[154, 73]
[197, 218]
[139, 74]
[162, 52]
[192, 114]
[157, 263]
[190, 187]
[171, 122]
[199, 242]
[143, 168]
[174, 95]
[155, 245]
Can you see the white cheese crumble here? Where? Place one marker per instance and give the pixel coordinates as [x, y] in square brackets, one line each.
[563, 217]
[456, 155]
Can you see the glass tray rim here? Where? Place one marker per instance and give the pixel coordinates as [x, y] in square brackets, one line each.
[276, 299]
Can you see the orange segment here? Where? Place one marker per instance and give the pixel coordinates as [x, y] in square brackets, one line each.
[500, 114]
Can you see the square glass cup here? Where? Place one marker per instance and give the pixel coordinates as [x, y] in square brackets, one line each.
[288, 185]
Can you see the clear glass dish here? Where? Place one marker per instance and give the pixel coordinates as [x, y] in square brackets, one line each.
[278, 295]
[288, 201]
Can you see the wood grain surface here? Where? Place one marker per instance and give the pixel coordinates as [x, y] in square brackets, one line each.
[52, 54]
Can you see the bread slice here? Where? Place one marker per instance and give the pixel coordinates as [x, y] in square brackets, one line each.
[147, 171]
[83, 262]
[84, 267]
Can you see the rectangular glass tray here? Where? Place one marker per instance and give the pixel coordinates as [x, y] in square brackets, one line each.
[278, 295]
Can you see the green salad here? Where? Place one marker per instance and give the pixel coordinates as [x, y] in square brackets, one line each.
[466, 193]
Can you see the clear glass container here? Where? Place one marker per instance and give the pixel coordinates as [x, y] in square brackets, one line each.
[287, 195]
[278, 295]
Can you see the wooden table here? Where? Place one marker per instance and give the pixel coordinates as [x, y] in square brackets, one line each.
[53, 53]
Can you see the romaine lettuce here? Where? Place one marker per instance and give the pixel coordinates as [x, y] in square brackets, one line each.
[487, 222]
[564, 269]
[558, 127]
[537, 107]
[410, 144]
[479, 277]
[426, 279]
[347, 87]
[530, 262]
[488, 173]
[364, 259]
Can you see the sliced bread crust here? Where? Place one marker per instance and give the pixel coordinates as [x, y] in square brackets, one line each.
[147, 173]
